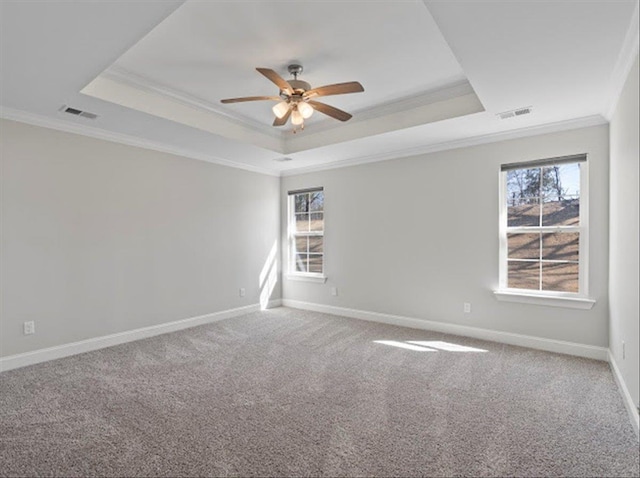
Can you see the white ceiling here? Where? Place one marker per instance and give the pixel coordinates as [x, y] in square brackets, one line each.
[197, 56]
[435, 73]
[209, 50]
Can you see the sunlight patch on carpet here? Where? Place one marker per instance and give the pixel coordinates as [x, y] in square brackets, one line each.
[429, 346]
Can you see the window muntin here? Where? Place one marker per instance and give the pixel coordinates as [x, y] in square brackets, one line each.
[306, 232]
[543, 227]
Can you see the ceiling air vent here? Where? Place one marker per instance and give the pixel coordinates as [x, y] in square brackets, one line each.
[523, 111]
[513, 113]
[77, 112]
[282, 160]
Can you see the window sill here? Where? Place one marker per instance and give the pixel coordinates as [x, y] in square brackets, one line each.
[549, 300]
[318, 279]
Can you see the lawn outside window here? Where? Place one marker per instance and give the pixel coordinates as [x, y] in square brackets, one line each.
[306, 235]
[544, 232]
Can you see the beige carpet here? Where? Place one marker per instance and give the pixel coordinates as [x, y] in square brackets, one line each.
[291, 393]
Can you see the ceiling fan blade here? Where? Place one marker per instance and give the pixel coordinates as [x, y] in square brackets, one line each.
[282, 121]
[251, 98]
[330, 111]
[337, 89]
[277, 79]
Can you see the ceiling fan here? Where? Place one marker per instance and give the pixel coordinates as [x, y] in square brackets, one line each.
[296, 97]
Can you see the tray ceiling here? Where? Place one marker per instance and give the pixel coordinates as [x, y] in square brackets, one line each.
[436, 74]
[206, 51]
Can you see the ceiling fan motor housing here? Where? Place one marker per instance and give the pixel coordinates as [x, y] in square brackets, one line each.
[299, 86]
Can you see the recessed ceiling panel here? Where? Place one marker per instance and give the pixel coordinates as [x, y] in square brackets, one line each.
[207, 51]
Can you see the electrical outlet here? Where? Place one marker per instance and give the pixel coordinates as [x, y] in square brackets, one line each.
[624, 355]
[29, 327]
[334, 291]
[242, 292]
[467, 307]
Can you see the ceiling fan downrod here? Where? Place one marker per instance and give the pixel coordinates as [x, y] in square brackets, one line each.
[295, 69]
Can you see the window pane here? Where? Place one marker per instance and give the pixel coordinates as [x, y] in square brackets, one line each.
[301, 202]
[316, 202]
[317, 221]
[565, 212]
[315, 263]
[561, 181]
[561, 246]
[561, 192]
[560, 277]
[301, 262]
[523, 212]
[524, 275]
[523, 246]
[302, 222]
[315, 244]
[301, 244]
[523, 183]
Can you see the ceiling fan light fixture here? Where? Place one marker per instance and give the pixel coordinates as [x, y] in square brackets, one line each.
[297, 100]
[305, 109]
[296, 117]
[280, 109]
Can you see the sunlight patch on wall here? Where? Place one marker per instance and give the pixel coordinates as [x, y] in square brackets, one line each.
[268, 277]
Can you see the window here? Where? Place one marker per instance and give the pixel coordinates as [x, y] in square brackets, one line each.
[306, 232]
[543, 230]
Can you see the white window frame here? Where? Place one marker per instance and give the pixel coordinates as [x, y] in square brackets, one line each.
[292, 273]
[579, 300]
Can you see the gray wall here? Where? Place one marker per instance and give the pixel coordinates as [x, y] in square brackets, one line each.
[99, 237]
[418, 236]
[623, 269]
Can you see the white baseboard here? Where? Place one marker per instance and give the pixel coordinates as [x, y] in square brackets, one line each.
[626, 396]
[274, 303]
[43, 355]
[550, 345]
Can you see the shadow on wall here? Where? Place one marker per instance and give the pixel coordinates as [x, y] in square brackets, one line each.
[428, 346]
[268, 277]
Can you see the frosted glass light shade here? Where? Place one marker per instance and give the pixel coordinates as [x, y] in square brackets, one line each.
[305, 109]
[280, 109]
[296, 118]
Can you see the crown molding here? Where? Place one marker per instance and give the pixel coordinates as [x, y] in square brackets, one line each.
[93, 132]
[402, 105]
[406, 104]
[456, 107]
[69, 127]
[135, 80]
[626, 58]
[584, 122]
